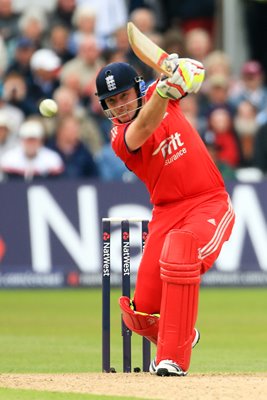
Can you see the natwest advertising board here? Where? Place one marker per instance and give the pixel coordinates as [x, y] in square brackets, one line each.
[50, 233]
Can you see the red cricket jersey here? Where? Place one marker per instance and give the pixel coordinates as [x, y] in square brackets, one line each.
[173, 163]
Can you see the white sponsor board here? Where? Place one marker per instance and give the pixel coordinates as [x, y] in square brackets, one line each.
[63, 237]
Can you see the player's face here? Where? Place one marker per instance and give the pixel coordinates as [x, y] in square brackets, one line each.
[123, 106]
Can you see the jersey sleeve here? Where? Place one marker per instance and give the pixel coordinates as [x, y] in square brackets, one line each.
[118, 132]
[119, 145]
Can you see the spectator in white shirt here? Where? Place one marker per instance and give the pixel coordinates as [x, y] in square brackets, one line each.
[110, 15]
[31, 159]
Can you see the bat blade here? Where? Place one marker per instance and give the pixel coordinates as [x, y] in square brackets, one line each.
[148, 51]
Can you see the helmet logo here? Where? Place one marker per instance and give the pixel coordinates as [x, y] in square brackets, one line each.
[110, 81]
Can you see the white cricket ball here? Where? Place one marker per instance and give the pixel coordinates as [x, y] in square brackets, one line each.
[48, 108]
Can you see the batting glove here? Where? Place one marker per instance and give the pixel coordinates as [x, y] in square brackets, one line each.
[199, 75]
[171, 62]
[187, 77]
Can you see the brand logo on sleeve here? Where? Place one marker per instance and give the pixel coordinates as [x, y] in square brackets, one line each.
[114, 133]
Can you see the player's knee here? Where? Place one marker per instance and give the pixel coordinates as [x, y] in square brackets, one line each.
[179, 261]
[180, 247]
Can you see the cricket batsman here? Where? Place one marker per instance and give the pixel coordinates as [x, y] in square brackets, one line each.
[192, 214]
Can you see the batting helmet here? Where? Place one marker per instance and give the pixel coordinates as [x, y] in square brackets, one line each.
[115, 78]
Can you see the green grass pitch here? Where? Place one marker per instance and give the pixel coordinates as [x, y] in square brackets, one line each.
[57, 331]
[13, 394]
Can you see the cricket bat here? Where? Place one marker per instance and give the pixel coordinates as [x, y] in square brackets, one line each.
[148, 51]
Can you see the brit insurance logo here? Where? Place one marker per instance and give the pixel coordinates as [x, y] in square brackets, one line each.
[171, 148]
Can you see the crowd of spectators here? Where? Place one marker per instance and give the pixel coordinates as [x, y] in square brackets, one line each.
[54, 49]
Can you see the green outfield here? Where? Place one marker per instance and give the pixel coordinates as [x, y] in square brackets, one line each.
[53, 331]
[13, 394]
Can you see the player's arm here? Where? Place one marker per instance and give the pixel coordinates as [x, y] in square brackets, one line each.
[150, 115]
[187, 77]
[148, 119]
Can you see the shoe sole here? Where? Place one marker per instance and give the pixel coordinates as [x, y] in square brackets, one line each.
[165, 372]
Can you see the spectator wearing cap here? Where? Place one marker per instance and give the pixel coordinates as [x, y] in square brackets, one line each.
[30, 159]
[45, 66]
[24, 49]
[252, 87]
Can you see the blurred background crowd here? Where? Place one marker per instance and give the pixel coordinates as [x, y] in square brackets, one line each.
[55, 48]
